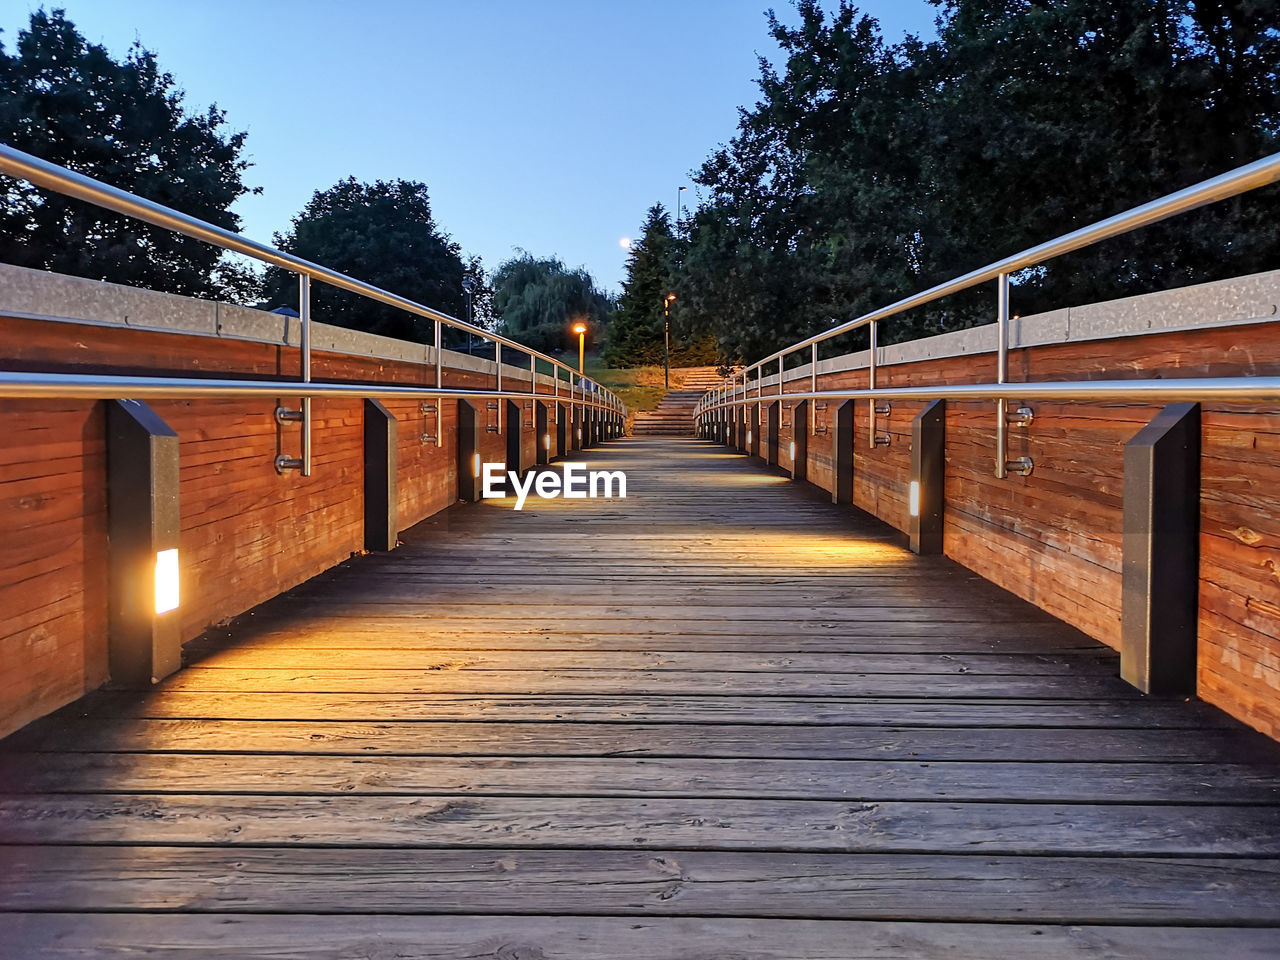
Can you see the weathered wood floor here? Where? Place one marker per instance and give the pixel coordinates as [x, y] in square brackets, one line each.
[721, 718]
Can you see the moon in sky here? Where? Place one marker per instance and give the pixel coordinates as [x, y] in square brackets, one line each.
[625, 243]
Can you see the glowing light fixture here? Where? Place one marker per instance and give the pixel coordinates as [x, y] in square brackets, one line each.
[143, 632]
[546, 441]
[581, 330]
[913, 498]
[167, 580]
[475, 464]
[793, 450]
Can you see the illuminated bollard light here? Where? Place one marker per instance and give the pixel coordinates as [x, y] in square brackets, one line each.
[381, 466]
[800, 441]
[468, 462]
[928, 465]
[143, 621]
[1160, 561]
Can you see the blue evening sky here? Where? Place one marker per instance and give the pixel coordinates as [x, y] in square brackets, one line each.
[550, 126]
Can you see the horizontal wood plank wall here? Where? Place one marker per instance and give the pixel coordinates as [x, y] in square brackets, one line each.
[248, 533]
[1055, 538]
[53, 631]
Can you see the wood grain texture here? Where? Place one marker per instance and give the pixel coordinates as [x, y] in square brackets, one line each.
[577, 937]
[718, 718]
[1055, 537]
[247, 532]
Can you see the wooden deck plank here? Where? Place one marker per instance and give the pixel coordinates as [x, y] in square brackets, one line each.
[648, 727]
[482, 738]
[371, 679]
[575, 937]
[1041, 782]
[1071, 890]
[718, 708]
[651, 822]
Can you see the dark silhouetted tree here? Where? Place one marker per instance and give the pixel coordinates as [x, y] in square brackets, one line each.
[867, 172]
[637, 335]
[538, 299]
[68, 101]
[382, 233]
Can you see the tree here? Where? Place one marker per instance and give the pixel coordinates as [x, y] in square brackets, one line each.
[382, 233]
[638, 336]
[538, 299]
[867, 172]
[123, 122]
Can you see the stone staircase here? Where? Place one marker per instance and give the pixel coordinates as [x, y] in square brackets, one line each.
[674, 416]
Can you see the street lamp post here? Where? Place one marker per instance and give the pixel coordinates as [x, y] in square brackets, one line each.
[581, 330]
[666, 339]
[679, 201]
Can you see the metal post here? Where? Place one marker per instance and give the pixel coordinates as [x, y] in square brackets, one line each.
[1002, 372]
[1161, 556]
[497, 357]
[304, 316]
[759, 398]
[770, 430]
[469, 440]
[928, 478]
[381, 516]
[813, 388]
[515, 438]
[439, 384]
[800, 440]
[144, 623]
[871, 385]
[666, 350]
[840, 426]
[541, 433]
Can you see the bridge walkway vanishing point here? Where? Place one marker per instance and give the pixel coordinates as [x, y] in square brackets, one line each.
[720, 718]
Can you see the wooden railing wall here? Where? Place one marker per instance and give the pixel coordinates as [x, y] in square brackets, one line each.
[248, 533]
[1055, 537]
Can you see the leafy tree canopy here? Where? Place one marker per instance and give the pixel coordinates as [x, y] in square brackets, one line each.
[539, 299]
[382, 233]
[867, 171]
[123, 122]
[638, 333]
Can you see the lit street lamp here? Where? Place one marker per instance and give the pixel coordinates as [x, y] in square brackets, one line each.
[581, 330]
[666, 338]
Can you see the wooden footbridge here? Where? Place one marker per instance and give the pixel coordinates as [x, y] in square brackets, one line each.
[882, 663]
[642, 727]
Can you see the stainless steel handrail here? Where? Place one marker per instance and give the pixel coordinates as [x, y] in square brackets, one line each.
[1232, 183]
[82, 386]
[1260, 173]
[50, 176]
[42, 173]
[1222, 389]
